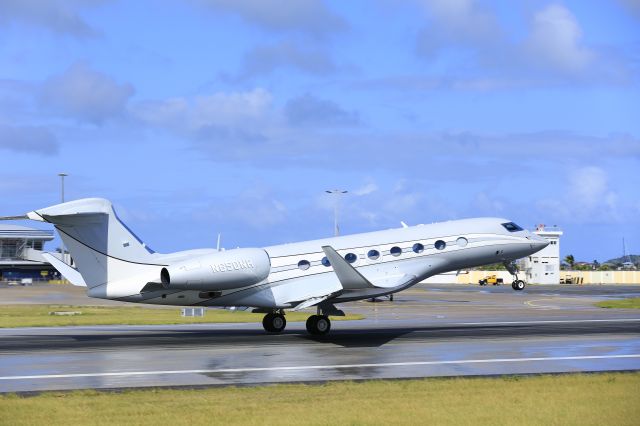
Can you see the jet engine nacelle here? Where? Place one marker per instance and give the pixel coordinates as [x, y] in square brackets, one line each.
[218, 271]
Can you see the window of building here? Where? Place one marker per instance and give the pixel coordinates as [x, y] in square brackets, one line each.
[325, 261]
[304, 265]
[418, 248]
[511, 227]
[373, 254]
[440, 245]
[395, 251]
[350, 257]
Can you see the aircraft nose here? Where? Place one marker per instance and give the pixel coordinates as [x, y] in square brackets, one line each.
[538, 242]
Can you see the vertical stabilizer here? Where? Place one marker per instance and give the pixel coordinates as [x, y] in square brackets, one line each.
[102, 246]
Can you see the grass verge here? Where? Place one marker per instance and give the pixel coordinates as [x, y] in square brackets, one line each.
[581, 399]
[630, 303]
[39, 316]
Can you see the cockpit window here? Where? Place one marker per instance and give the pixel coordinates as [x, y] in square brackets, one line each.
[512, 227]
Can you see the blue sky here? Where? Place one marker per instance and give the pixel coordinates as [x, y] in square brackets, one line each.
[234, 116]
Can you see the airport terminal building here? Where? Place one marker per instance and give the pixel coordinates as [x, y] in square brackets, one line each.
[19, 257]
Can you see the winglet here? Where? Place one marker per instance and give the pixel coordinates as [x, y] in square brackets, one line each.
[349, 277]
[404, 225]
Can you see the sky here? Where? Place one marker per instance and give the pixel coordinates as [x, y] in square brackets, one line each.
[200, 117]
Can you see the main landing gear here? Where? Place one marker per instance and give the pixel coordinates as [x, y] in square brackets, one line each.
[274, 322]
[317, 325]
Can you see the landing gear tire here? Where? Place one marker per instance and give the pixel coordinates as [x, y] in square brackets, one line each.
[318, 325]
[518, 285]
[274, 323]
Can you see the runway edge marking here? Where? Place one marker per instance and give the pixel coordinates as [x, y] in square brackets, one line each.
[319, 367]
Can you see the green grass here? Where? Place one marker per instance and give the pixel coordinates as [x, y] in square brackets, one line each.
[581, 399]
[631, 303]
[38, 316]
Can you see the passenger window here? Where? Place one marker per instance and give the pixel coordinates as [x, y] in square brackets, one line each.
[373, 254]
[440, 245]
[418, 248]
[304, 265]
[325, 261]
[395, 251]
[350, 257]
[462, 242]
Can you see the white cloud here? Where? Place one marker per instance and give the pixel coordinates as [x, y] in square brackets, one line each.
[309, 110]
[85, 94]
[305, 16]
[367, 189]
[487, 204]
[456, 23]
[555, 41]
[589, 185]
[191, 115]
[265, 59]
[59, 16]
[588, 198]
[28, 139]
[483, 54]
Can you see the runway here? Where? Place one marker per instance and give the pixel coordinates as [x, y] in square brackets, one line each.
[427, 331]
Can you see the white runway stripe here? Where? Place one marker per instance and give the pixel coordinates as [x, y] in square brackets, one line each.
[318, 367]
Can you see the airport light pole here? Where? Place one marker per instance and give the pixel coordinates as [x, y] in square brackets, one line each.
[337, 193]
[62, 249]
[62, 175]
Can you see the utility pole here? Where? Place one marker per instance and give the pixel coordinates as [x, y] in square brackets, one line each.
[337, 193]
[62, 249]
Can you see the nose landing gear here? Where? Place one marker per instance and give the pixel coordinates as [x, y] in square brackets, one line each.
[517, 284]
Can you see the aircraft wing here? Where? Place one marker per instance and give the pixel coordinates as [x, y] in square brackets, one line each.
[349, 277]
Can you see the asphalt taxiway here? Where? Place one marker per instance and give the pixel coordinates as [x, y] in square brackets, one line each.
[430, 330]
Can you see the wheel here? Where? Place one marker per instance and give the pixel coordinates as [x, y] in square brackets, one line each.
[274, 323]
[518, 285]
[513, 285]
[311, 323]
[318, 325]
[391, 297]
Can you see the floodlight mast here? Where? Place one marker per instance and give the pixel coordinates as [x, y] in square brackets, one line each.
[62, 176]
[62, 249]
[337, 193]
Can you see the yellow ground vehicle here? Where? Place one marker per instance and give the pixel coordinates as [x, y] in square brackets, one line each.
[491, 279]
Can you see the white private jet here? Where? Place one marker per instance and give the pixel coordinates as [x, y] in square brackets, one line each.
[113, 263]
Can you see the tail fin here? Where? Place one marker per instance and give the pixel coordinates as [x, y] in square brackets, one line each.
[102, 246]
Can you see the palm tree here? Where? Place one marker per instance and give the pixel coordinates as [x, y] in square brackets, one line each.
[570, 260]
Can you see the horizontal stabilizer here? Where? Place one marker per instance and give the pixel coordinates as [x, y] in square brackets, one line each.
[67, 271]
[23, 217]
[349, 277]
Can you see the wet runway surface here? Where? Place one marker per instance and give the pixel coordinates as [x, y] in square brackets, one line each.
[427, 331]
